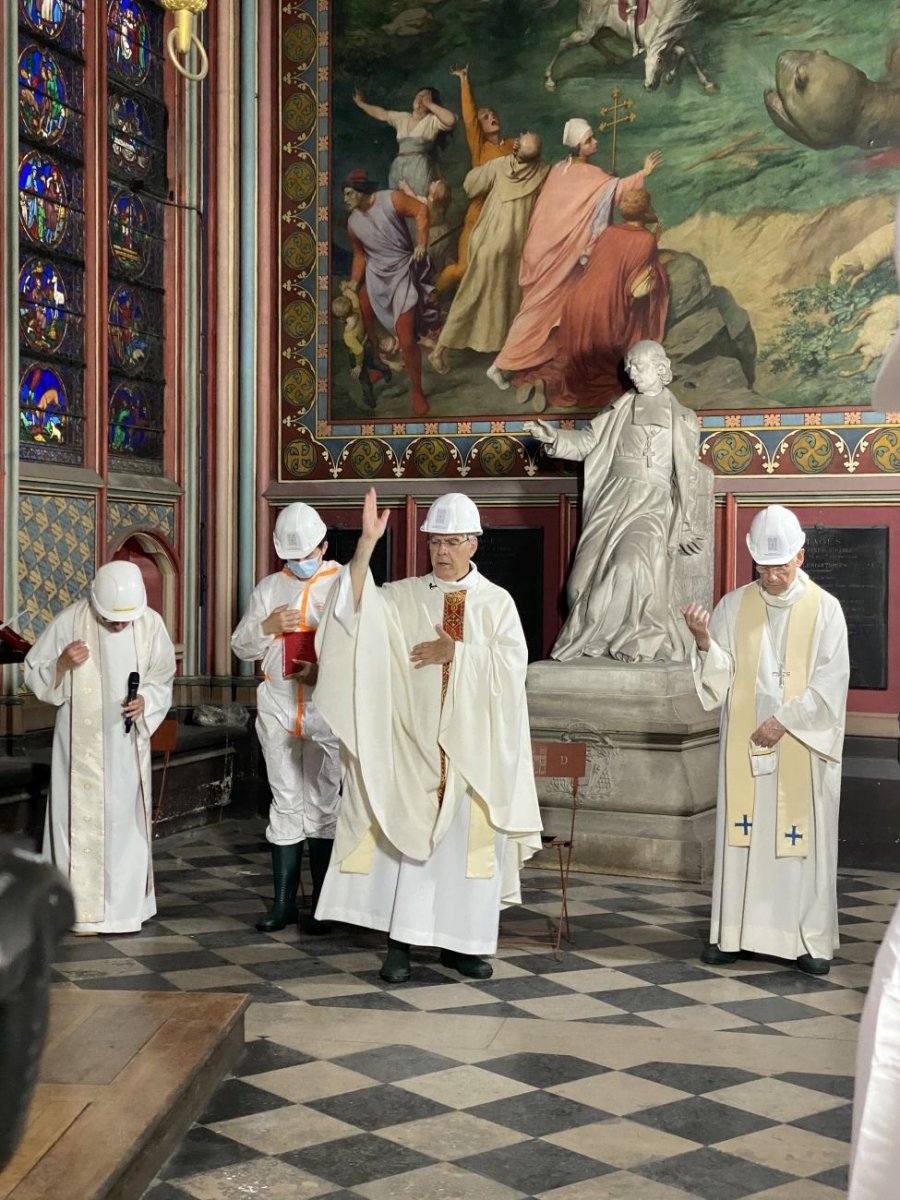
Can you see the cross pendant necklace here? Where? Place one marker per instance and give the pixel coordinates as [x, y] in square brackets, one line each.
[648, 454]
[781, 674]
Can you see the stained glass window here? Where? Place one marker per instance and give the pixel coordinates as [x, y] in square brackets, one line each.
[54, 181]
[61, 21]
[135, 230]
[51, 229]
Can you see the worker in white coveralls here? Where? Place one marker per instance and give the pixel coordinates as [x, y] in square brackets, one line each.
[302, 757]
[875, 1148]
[97, 830]
[774, 655]
[423, 681]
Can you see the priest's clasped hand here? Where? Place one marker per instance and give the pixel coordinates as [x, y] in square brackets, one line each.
[283, 619]
[71, 657]
[696, 618]
[769, 734]
[436, 653]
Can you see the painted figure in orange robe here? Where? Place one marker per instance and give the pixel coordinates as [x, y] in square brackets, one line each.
[482, 126]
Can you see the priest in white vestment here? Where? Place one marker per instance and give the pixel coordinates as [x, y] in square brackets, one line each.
[439, 808]
[98, 825]
[875, 1148]
[774, 655]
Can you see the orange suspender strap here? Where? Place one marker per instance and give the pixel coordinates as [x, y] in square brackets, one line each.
[304, 606]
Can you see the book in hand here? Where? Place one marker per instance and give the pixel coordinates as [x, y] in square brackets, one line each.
[297, 647]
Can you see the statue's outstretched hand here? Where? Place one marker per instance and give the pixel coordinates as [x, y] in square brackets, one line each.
[696, 618]
[692, 544]
[541, 431]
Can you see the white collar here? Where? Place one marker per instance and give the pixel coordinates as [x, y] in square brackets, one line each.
[795, 592]
[456, 585]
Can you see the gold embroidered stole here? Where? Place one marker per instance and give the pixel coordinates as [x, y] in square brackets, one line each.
[793, 765]
[453, 621]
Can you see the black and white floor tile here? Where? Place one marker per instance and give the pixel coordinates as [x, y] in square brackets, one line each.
[627, 1069]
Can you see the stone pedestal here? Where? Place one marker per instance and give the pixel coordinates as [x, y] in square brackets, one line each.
[647, 806]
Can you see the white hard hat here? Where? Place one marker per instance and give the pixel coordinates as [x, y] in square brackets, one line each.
[775, 536]
[118, 592]
[576, 130]
[298, 530]
[453, 513]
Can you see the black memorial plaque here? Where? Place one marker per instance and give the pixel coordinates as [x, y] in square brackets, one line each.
[852, 564]
[513, 558]
[342, 544]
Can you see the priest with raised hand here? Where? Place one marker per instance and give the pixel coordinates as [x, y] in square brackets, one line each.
[774, 656]
[423, 682]
[107, 664]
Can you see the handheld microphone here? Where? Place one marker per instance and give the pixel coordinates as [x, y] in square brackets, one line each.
[134, 682]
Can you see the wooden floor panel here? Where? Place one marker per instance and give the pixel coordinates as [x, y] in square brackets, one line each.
[123, 1076]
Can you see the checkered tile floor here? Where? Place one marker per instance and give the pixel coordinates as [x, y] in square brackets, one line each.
[629, 1069]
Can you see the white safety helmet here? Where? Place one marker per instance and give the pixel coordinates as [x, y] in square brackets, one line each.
[453, 513]
[118, 592]
[298, 530]
[775, 536]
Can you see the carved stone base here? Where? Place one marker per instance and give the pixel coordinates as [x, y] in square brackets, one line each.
[647, 806]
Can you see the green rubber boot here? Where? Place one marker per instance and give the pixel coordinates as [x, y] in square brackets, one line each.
[319, 850]
[286, 873]
[395, 968]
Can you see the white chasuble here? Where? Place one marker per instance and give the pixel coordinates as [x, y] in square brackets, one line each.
[439, 808]
[765, 901]
[97, 829]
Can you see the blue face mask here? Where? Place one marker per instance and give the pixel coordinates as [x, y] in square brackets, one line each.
[304, 568]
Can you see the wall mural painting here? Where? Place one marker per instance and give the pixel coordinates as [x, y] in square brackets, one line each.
[519, 190]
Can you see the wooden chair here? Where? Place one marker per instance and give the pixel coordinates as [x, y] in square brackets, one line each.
[561, 760]
[164, 742]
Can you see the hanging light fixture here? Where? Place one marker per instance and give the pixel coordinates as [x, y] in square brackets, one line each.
[182, 37]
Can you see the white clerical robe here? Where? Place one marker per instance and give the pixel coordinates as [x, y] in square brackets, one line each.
[97, 830]
[420, 880]
[774, 905]
[875, 1149]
